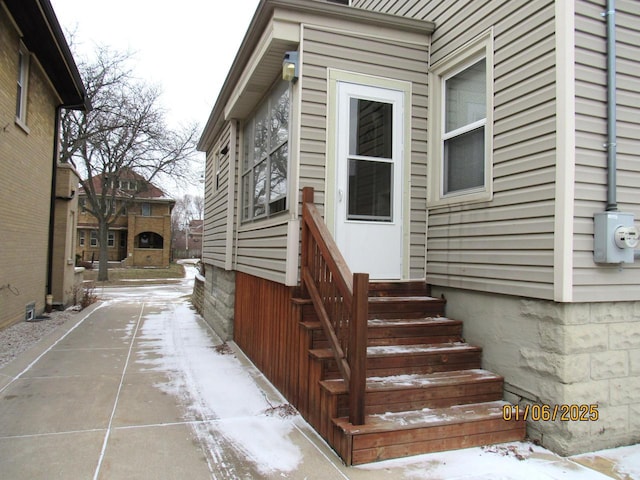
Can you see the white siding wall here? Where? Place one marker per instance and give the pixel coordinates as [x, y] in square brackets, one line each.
[505, 245]
[593, 282]
[349, 51]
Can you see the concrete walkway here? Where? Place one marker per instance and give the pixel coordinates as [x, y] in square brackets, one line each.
[99, 399]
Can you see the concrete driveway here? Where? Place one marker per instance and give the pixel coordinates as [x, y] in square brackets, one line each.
[138, 387]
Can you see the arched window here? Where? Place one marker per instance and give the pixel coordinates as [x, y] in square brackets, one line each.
[149, 240]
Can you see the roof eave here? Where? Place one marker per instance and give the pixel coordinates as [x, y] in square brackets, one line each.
[261, 19]
[43, 36]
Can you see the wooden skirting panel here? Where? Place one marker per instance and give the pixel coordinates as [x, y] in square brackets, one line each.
[266, 328]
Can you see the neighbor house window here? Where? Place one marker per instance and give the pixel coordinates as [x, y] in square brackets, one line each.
[146, 209]
[81, 238]
[266, 156]
[93, 238]
[23, 82]
[111, 239]
[461, 125]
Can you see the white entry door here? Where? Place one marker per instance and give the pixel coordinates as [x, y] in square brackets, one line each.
[369, 179]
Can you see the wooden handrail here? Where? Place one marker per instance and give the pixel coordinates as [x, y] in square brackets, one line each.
[340, 299]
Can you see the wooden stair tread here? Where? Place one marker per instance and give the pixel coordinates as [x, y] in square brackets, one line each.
[436, 379]
[421, 349]
[425, 418]
[414, 299]
[412, 322]
[412, 287]
[395, 350]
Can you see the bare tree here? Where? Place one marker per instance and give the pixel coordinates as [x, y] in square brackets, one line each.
[125, 132]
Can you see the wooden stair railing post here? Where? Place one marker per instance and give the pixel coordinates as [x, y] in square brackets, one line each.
[358, 347]
[305, 254]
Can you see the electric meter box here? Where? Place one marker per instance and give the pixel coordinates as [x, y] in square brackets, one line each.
[615, 237]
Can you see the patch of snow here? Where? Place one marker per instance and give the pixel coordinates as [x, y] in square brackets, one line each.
[500, 462]
[625, 460]
[217, 389]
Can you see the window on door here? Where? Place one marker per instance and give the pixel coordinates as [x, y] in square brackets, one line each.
[370, 164]
[460, 127]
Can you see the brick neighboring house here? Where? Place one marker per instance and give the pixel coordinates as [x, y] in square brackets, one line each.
[141, 235]
[38, 77]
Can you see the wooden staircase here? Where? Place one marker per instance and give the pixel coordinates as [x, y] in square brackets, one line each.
[425, 388]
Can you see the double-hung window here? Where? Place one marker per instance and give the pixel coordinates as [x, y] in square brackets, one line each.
[266, 156]
[23, 83]
[461, 125]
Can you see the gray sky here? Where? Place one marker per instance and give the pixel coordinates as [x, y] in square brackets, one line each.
[186, 47]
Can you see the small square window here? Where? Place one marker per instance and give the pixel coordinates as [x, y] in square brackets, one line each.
[145, 209]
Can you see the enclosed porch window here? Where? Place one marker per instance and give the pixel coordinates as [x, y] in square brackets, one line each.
[266, 156]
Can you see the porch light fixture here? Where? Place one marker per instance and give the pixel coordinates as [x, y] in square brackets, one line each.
[290, 69]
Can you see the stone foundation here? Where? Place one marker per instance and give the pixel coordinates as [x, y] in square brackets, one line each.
[219, 300]
[560, 354]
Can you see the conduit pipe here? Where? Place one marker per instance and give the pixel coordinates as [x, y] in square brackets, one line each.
[612, 183]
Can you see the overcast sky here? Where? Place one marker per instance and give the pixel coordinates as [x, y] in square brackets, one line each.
[186, 47]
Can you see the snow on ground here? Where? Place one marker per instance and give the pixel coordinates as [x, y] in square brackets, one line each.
[508, 461]
[219, 393]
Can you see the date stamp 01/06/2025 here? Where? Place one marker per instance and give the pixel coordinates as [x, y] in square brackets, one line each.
[551, 413]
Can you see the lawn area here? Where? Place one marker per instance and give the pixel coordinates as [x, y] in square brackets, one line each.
[133, 273]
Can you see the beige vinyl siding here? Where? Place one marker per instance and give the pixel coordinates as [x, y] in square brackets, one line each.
[258, 248]
[215, 225]
[506, 245]
[592, 282]
[262, 252]
[369, 55]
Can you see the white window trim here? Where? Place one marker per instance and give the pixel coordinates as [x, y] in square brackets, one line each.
[23, 82]
[457, 61]
[81, 239]
[93, 238]
[111, 240]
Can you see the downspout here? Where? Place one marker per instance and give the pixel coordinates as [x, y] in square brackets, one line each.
[52, 206]
[612, 187]
[54, 174]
